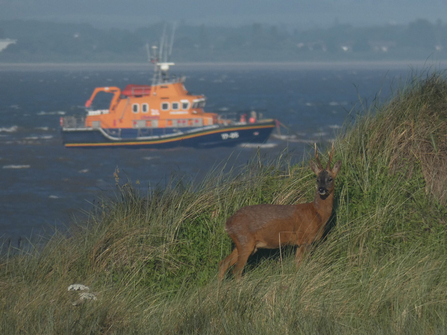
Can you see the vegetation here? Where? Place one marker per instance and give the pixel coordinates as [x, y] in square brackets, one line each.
[59, 42]
[152, 259]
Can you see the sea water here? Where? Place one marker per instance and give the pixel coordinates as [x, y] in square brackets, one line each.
[45, 186]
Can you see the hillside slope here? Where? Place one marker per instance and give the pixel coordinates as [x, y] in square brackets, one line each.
[151, 260]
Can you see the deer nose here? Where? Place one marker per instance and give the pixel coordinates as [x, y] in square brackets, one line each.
[322, 190]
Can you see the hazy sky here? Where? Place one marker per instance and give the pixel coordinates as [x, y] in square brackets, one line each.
[292, 13]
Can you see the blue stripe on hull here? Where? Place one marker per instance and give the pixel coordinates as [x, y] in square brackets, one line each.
[224, 136]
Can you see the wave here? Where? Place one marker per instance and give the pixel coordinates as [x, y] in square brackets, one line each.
[52, 113]
[334, 126]
[293, 138]
[44, 137]
[302, 140]
[11, 129]
[320, 134]
[311, 141]
[12, 166]
[258, 145]
[284, 137]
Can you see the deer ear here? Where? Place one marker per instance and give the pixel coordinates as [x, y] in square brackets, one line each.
[314, 167]
[336, 168]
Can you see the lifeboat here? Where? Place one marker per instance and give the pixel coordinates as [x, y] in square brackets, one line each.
[160, 115]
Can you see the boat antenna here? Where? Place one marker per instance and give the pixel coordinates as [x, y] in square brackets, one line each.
[172, 41]
[160, 57]
[162, 45]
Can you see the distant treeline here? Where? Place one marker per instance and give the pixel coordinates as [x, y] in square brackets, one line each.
[65, 42]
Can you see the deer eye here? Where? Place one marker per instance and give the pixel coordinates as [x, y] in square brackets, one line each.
[330, 179]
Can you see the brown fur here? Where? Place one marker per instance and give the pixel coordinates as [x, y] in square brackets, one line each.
[272, 226]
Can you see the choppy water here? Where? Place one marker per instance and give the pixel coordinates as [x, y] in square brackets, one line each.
[43, 184]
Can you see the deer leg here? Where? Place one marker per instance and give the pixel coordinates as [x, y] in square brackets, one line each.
[300, 253]
[242, 260]
[244, 253]
[227, 262]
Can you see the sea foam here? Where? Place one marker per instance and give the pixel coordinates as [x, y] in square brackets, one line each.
[258, 145]
[51, 113]
[11, 129]
[13, 166]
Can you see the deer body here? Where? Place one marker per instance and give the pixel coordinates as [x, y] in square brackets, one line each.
[271, 226]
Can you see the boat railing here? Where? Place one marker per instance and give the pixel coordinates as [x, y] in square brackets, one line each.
[73, 122]
[240, 117]
[227, 118]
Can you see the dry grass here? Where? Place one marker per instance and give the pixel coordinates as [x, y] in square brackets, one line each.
[411, 129]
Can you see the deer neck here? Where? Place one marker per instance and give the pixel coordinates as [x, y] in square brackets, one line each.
[323, 205]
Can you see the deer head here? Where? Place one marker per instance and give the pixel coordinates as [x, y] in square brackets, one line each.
[325, 177]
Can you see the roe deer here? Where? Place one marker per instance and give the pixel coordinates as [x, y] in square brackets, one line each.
[271, 226]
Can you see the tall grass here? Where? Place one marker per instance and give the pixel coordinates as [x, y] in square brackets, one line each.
[152, 258]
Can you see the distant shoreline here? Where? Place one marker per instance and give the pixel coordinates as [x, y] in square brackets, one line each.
[338, 65]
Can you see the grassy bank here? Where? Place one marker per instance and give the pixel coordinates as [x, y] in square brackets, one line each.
[151, 259]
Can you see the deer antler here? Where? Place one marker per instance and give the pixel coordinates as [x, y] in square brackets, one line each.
[320, 166]
[330, 158]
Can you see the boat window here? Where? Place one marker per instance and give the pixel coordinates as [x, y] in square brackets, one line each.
[135, 108]
[145, 108]
[185, 105]
[165, 106]
[195, 104]
[175, 105]
[201, 103]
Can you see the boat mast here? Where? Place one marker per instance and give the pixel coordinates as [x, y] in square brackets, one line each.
[160, 58]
